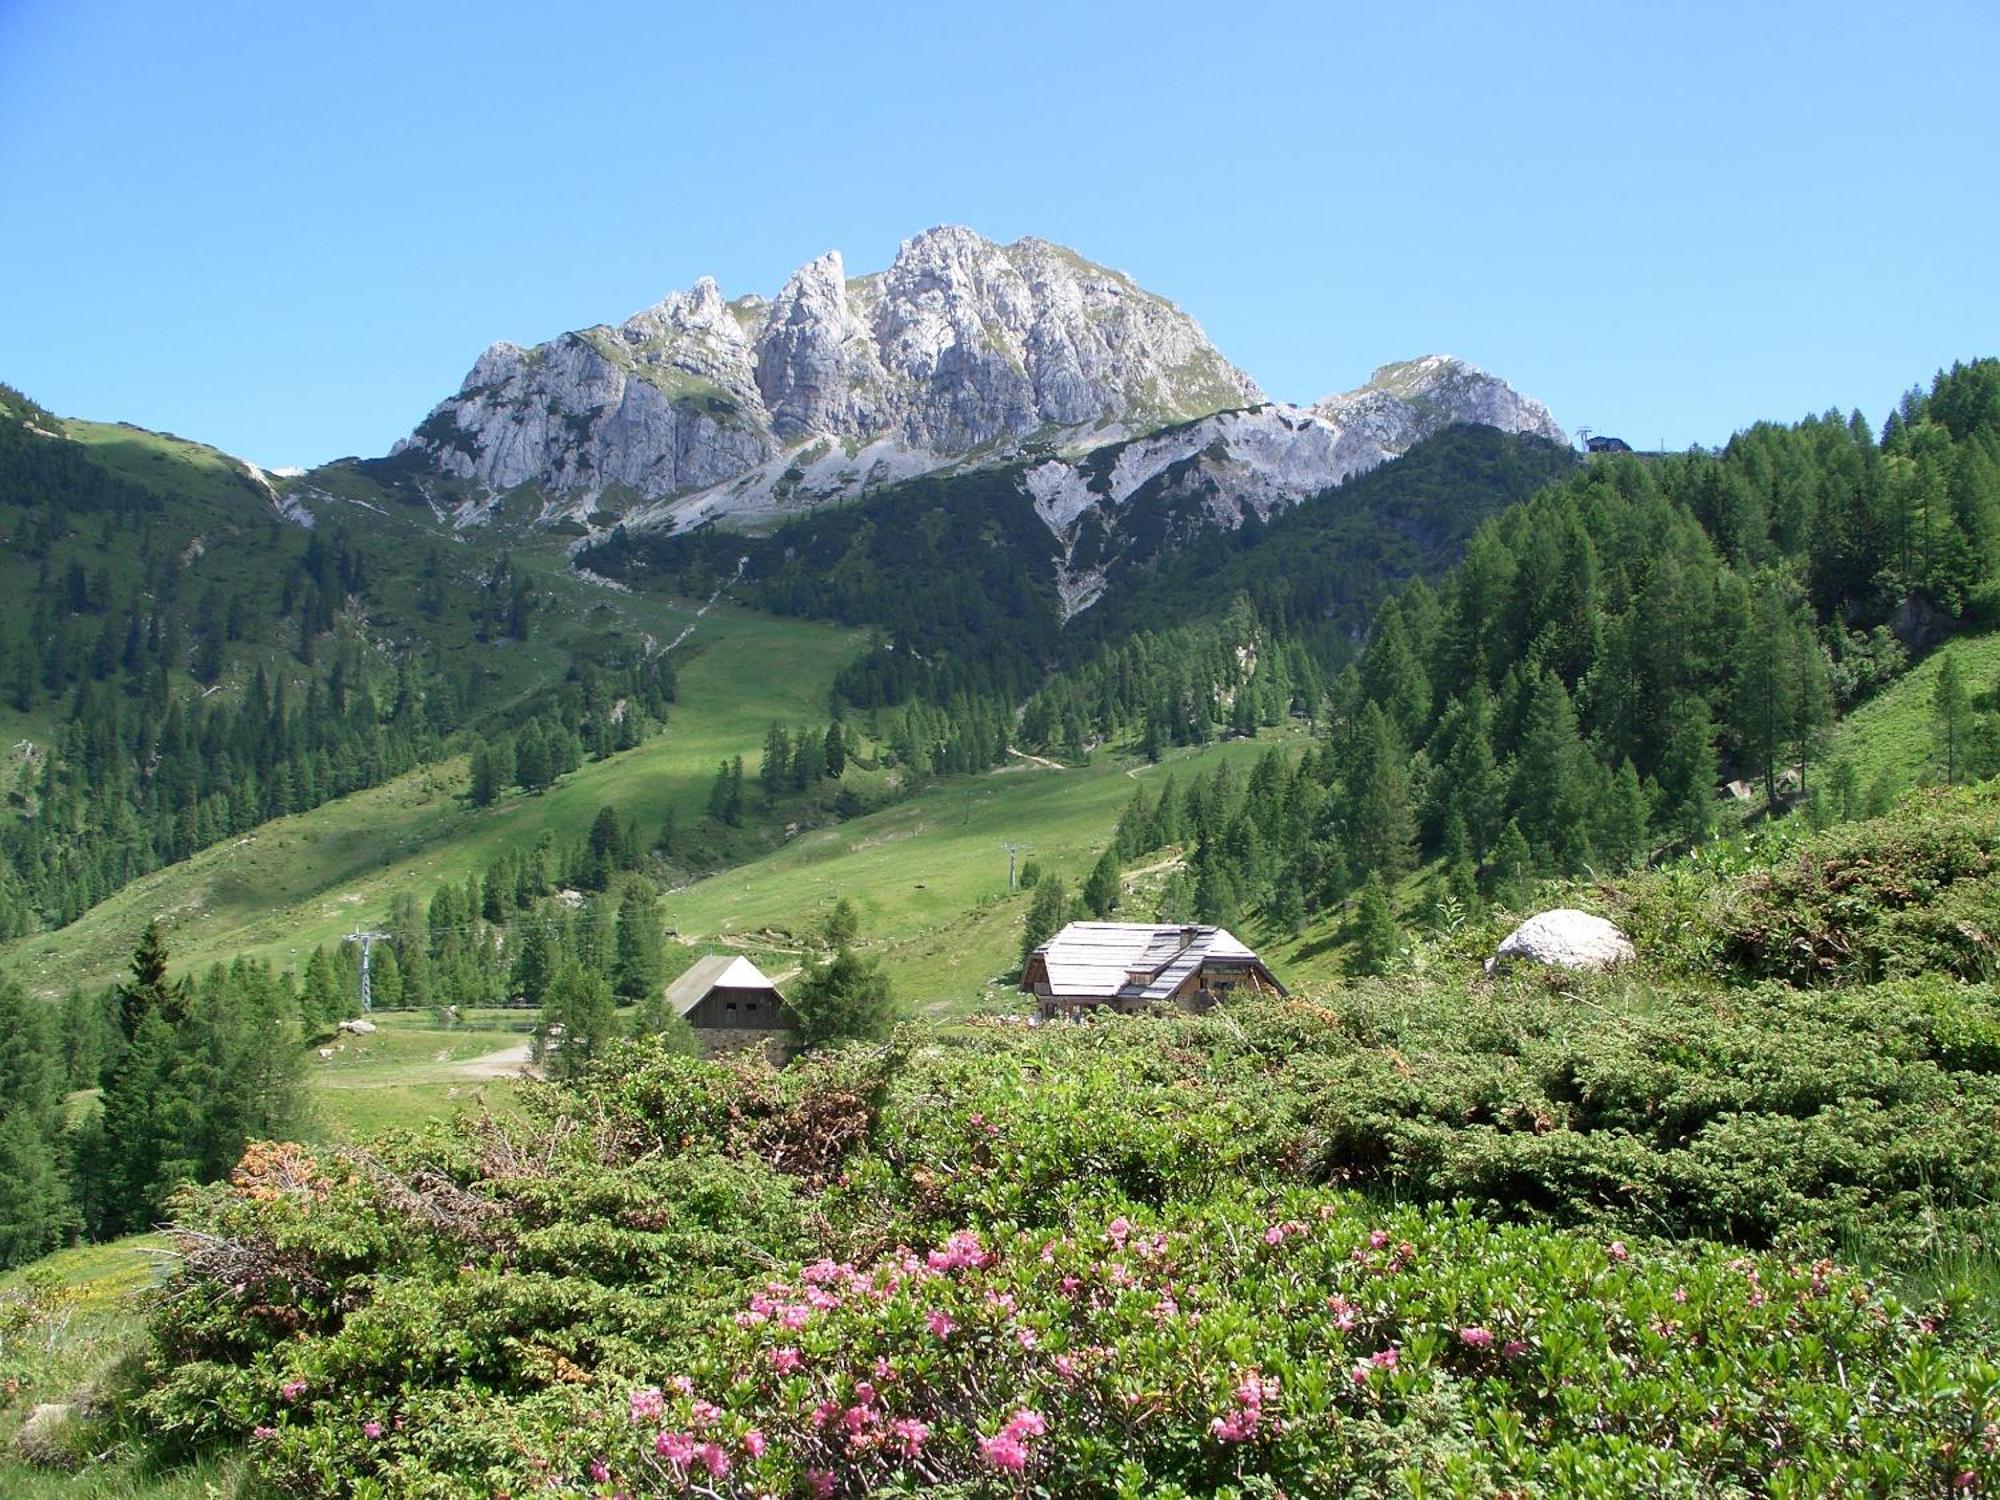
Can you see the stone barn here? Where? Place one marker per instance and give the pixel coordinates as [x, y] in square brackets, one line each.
[1135, 966]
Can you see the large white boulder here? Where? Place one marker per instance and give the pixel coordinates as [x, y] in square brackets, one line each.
[1567, 939]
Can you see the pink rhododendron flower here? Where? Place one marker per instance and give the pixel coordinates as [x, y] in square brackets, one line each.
[884, 1371]
[675, 1447]
[599, 1470]
[714, 1457]
[910, 1435]
[1514, 1349]
[1119, 1229]
[821, 1483]
[786, 1360]
[1476, 1337]
[681, 1385]
[864, 1392]
[1377, 1238]
[1065, 1367]
[263, 1434]
[1617, 1251]
[371, 1429]
[1026, 1423]
[1025, 1337]
[291, 1390]
[1004, 1451]
[1237, 1427]
[753, 1443]
[703, 1412]
[825, 1412]
[1383, 1359]
[940, 1325]
[647, 1403]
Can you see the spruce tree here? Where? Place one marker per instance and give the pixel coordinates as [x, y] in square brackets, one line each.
[147, 991]
[1623, 819]
[1100, 891]
[1951, 719]
[1510, 872]
[846, 998]
[1378, 941]
[776, 772]
[1046, 914]
[580, 1003]
[639, 966]
[1687, 778]
[1380, 828]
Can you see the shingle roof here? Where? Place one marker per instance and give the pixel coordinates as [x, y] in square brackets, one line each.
[1133, 960]
[731, 971]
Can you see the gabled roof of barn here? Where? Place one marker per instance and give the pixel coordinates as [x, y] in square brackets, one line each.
[727, 971]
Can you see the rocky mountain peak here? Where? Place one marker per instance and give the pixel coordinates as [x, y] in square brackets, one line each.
[961, 347]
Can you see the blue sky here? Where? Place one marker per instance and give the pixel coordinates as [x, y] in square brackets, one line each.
[288, 229]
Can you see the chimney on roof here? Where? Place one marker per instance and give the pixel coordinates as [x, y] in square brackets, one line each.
[1187, 938]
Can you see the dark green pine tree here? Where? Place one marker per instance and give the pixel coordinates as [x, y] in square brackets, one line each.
[580, 1003]
[1556, 783]
[1511, 871]
[536, 959]
[37, 1212]
[1687, 778]
[835, 750]
[147, 991]
[1378, 941]
[1622, 820]
[1380, 828]
[485, 785]
[846, 998]
[775, 775]
[1046, 914]
[639, 967]
[1100, 891]
[1951, 719]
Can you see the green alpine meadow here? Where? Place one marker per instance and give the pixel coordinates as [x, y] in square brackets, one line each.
[781, 754]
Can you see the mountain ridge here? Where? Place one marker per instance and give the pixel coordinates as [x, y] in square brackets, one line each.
[961, 353]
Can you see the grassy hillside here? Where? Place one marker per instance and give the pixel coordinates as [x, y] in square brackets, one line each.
[1891, 733]
[929, 875]
[305, 880]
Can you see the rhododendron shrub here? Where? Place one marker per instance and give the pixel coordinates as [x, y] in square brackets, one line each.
[1095, 1261]
[1193, 1352]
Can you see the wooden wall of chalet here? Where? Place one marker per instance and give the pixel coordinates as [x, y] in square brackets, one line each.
[739, 1010]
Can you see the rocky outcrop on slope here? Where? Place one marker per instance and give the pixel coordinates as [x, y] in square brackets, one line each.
[961, 347]
[1236, 464]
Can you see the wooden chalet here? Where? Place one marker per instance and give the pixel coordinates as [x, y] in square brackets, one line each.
[1135, 966]
[726, 992]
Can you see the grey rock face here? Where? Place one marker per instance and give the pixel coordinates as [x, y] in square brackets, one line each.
[961, 346]
[1235, 464]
